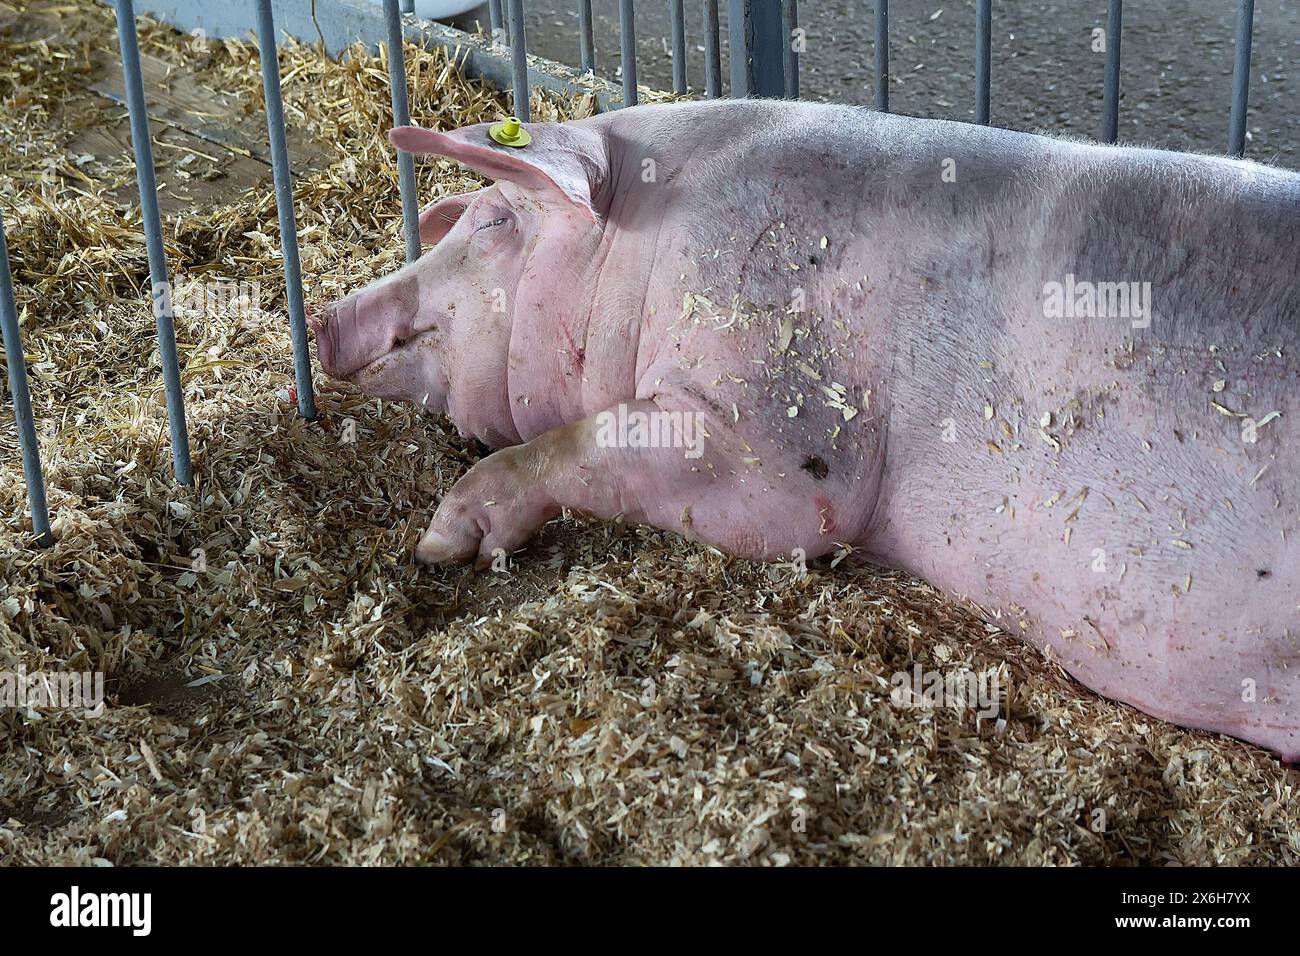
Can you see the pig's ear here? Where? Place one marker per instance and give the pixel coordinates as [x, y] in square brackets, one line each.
[561, 162]
[437, 219]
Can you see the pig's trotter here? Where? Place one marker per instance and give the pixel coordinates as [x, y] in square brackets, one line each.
[494, 506]
[507, 497]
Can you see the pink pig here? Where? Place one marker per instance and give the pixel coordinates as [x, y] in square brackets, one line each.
[1055, 379]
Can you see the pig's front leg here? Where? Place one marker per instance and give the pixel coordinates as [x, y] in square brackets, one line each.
[697, 484]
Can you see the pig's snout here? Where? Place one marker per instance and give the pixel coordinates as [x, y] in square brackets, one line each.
[358, 331]
[318, 322]
[324, 322]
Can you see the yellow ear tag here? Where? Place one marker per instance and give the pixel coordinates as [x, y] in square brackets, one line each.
[510, 133]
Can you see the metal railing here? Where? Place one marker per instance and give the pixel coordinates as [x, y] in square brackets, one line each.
[142, 143]
[17, 368]
[764, 62]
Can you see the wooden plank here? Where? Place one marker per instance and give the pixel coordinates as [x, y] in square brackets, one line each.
[177, 99]
[192, 172]
[207, 149]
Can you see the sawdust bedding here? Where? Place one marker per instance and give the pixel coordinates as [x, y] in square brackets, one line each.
[307, 694]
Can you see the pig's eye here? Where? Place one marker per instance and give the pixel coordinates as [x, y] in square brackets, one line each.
[491, 222]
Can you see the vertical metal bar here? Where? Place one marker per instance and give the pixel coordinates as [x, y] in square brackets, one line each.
[712, 51]
[408, 6]
[627, 44]
[740, 30]
[585, 37]
[790, 23]
[519, 59]
[495, 17]
[882, 55]
[756, 49]
[401, 117]
[679, 45]
[161, 287]
[1241, 78]
[1110, 98]
[766, 52]
[283, 176]
[983, 44]
[17, 363]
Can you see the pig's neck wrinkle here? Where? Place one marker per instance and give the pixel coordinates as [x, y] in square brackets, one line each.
[607, 324]
[575, 353]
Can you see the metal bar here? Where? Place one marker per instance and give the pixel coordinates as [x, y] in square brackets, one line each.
[712, 51]
[627, 45]
[679, 45]
[495, 18]
[882, 55]
[408, 6]
[17, 363]
[740, 29]
[585, 37]
[283, 176]
[519, 61]
[160, 286]
[1110, 98]
[1241, 78]
[402, 117]
[756, 48]
[983, 44]
[790, 23]
[766, 51]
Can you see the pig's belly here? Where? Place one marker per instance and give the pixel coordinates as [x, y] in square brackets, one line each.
[1171, 584]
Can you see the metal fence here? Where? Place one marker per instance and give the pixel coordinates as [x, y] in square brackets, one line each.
[764, 61]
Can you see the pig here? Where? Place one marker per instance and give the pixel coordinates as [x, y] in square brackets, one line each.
[1055, 379]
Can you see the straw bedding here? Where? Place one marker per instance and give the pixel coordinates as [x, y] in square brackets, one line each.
[285, 685]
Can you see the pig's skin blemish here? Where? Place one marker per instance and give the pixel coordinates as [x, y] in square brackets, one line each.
[816, 467]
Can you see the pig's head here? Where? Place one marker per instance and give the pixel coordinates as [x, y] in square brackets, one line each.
[438, 331]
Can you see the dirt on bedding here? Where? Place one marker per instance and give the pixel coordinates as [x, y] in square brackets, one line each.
[285, 685]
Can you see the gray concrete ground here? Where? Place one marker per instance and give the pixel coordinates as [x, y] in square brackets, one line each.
[1176, 71]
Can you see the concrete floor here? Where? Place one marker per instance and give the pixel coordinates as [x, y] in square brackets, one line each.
[1176, 70]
